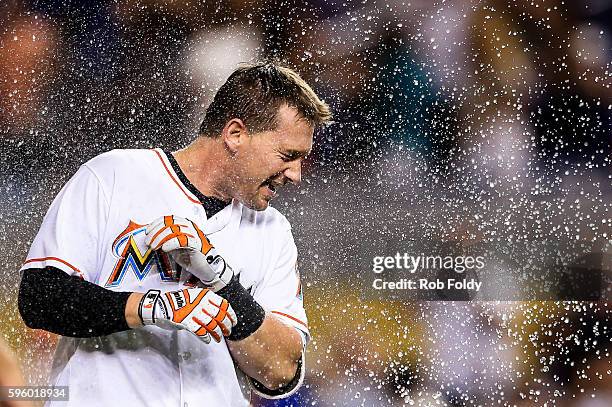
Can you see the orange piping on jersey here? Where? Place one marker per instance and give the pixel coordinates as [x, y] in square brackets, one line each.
[178, 184]
[56, 259]
[290, 317]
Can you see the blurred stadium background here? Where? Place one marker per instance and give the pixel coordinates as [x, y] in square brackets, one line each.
[465, 121]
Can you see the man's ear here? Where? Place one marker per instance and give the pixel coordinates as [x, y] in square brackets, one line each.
[234, 135]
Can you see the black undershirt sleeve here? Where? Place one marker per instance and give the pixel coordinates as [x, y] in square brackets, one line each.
[52, 300]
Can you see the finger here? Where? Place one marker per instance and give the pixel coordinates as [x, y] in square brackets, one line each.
[158, 234]
[173, 241]
[203, 335]
[197, 329]
[232, 315]
[212, 326]
[204, 244]
[154, 228]
[226, 325]
[194, 241]
[223, 318]
[227, 311]
[154, 225]
[169, 232]
[159, 231]
[180, 220]
[153, 231]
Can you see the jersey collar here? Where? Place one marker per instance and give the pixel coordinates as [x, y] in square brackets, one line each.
[211, 205]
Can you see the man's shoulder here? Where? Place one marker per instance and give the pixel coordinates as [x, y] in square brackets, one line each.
[270, 218]
[118, 159]
[278, 217]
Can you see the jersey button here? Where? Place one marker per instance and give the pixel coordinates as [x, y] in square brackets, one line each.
[185, 355]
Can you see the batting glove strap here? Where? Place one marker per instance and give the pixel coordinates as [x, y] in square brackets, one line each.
[147, 307]
[250, 315]
[224, 271]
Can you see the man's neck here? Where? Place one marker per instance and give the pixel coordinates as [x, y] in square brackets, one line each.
[200, 162]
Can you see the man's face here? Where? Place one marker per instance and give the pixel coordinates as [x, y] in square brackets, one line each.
[269, 160]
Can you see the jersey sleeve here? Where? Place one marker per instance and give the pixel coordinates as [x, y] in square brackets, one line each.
[72, 229]
[281, 291]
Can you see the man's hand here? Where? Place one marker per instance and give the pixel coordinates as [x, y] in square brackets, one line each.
[190, 248]
[198, 310]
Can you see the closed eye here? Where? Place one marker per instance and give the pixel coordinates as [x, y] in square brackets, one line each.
[288, 157]
[292, 155]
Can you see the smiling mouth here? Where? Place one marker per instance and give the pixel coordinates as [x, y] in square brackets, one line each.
[271, 186]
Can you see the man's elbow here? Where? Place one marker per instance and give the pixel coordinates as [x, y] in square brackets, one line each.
[281, 375]
[25, 307]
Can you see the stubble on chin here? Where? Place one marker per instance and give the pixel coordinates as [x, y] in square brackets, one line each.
[256, 203]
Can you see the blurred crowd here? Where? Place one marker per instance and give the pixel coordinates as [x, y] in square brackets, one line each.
[460, 108]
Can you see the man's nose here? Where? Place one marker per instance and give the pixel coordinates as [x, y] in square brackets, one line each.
[294, 172]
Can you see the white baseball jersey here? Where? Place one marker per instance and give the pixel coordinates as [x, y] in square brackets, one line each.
[95, 229]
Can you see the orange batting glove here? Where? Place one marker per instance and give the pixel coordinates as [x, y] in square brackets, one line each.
[183, 240]
[198, 310]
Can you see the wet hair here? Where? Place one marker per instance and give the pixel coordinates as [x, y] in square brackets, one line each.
[255, 92]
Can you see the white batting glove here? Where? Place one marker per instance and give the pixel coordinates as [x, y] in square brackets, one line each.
[198, 310]
[190, 248]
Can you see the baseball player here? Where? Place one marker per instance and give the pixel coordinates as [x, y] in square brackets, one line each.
[170, 279]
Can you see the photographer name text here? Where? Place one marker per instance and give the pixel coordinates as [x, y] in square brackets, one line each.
[426, 284]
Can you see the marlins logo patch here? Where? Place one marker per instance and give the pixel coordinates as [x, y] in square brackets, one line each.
[132, 259]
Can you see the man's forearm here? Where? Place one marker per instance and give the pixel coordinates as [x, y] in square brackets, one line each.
[265, 348]
[52, 300]
[271, 354]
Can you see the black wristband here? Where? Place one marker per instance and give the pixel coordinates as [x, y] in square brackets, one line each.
[249, 313]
